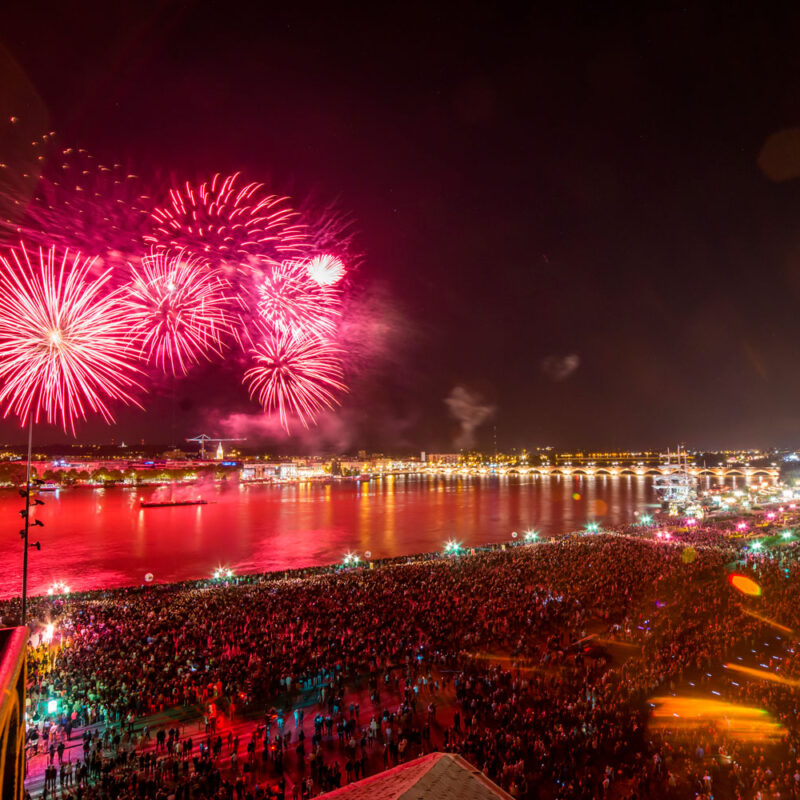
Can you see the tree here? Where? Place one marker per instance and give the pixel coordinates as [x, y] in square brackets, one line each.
[13, 472]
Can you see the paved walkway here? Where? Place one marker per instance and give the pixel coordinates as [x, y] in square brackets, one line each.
[191, 725]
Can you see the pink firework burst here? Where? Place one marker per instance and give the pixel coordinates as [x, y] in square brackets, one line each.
[228, 222]
[65, 343]
[295, 377]
[292, 302]
[326, 270]
[178, 305]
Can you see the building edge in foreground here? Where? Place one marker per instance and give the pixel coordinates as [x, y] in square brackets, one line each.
[13, 655]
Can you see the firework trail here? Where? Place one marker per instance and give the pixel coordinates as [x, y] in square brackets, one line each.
[295, 377]
[79, 203]
[292, 302]
[330, 230]
[177, 304]
[238, 226]
[64, 339]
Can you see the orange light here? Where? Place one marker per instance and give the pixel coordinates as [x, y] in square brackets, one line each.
[745, 585]
[762, 675]
[744, 723]
[767, 620]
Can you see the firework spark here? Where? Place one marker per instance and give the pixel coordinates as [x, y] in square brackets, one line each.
[292, 302]
[238, 225]
[65, 343]
[295, 377]
[326, 270]
[178, 305]
[81, 204]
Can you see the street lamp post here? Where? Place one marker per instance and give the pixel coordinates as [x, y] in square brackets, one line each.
[25, 531]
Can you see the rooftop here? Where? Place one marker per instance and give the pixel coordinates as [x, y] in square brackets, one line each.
[438, 776]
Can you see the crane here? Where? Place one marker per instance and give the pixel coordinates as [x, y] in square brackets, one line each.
[203, 438]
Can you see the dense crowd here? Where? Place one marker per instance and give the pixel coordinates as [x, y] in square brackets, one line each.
[537, 663]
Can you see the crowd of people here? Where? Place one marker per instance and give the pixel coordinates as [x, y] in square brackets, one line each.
[538, 663]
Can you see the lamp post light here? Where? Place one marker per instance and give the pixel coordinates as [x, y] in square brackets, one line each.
[351, 559]
[24, 533]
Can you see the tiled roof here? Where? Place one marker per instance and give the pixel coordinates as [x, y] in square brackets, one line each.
[438, 776]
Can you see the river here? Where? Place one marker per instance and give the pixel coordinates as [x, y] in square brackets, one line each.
[101, 538]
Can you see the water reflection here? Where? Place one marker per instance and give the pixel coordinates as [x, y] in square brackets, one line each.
[102, 538]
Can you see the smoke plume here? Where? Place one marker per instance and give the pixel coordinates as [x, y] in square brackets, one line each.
[559, 368]
[470, 410]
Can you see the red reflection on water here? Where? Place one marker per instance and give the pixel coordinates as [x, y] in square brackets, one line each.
[97, 538]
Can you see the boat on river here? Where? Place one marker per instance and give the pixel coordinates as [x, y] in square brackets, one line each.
[168, 503]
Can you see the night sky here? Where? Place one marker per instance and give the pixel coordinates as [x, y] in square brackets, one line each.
[575, 218]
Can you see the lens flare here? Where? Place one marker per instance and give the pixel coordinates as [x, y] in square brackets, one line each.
[745, 585]
[767, 621]
[295, 377]
[65, 341]
[762, 675]
[744, 723]
[178, 306]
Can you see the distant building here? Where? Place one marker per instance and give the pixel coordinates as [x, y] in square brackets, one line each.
[287, 472]
[219, 454]
[268, 471]
[444, 458]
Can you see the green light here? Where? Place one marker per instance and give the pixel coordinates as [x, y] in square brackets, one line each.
[531, 536]
[787, 534]
[592, 527]
[646, 519]
[755, 546]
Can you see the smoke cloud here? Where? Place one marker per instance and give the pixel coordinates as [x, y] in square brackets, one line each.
[334, 431]
[470, 410]
[559, 368]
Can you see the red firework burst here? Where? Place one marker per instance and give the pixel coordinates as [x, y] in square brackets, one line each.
[292, 302]
[228, 222]
[178, 306]
[65, 343]
[295, 377]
